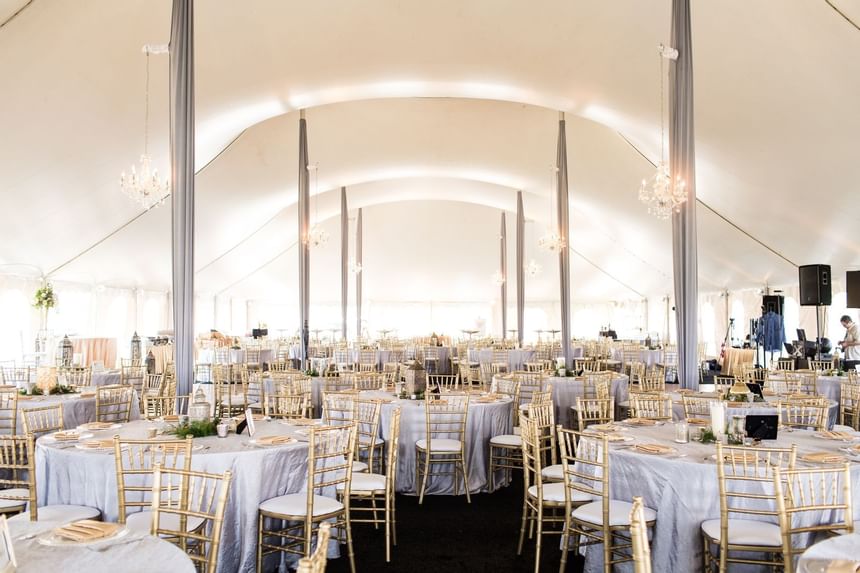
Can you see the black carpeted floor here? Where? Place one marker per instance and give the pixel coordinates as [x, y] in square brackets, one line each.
[447, 534]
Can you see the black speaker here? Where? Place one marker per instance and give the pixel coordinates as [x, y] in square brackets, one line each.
[815, 285]
[773, 302]
[852, 284]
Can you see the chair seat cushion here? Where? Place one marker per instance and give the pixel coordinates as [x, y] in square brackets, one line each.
[256, 406]
[554, 472]
[358, 467]
[745, 532]
[440, 445]
[142, 521]
[365, 483]
[619, 513]
[365, 441]
[295, 504]
[555, 492]
[510, 440]
[14, 504]
[62, 514]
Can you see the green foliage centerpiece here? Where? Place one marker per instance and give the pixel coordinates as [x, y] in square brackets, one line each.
[196, 429]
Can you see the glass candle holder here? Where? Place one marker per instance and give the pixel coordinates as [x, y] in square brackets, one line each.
[682, 432]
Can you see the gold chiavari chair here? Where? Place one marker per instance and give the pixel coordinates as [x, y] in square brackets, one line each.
[304, 385]
[368, 381]
[779, 384]
[222, 355]
[804, 413]
[338, 408]
[338, 383]
[430, 359]
[506, 449]
[8, 410]
[849, 406]
[594, 411]
[317, 561]
[803, 381]
[639, 537]
[253, 360]
[595, 365]
[229, 396]
[723, 383]
[670, 362]
[18, 483]
[596, 384]
[367, 361]
[285, 406]
[43, 420]
[488, 372]
[636, 372]
[113, 403]
[203, 372]
[582, 364]
[530, 382]
[135, 464]
[592, 516]
[499, 361]
[343, 360]
[783, 364]
[821, 365]
[747, 501]
[543, 415]
[152, 385]
[445, 442]
[370, 489]
[445, 382]
[255, 393]
[156, 407]
[697, 409]
[369, 446]
[651, 406]
[78, 377]
[543, 504]
[654, 381]
[811, 502]
[853, 377]
[179, 497]
[330, 456]
[132, 373]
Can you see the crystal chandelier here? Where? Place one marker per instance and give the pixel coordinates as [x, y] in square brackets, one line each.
[317, 236]
[355, 267]
[144, 185]
[498, 278]
[533, 268]
[552, 240]
[663, 195]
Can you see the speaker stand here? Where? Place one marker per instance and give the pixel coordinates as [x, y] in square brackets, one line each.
[817, 333]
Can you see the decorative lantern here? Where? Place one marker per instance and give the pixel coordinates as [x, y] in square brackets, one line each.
[416, 379]
[150, 363]
[136, 349]
[200, 409]
[434, 340]
[67, 352]
[739, 388]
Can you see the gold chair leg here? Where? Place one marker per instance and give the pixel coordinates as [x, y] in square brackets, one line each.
[539, 535]
[259, 542]
[523, 527]
[465, 469]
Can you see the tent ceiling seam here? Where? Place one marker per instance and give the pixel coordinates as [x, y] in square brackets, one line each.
[843, 14]
[16, 14]
[714, 211]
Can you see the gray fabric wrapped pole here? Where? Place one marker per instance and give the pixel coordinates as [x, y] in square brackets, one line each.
[344, 260]
[682, 164]
[182, 196]
[503, 268]
[304, 242]
[358, 276]
[521, 286]
[564, 233]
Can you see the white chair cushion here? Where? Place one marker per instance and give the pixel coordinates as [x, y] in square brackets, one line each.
[256, 406]
[296, 504]
[745, 532]
[440, 445]
[365, 483]
[358, 467]
[553, 472]
[142, 521]
[555, 492]
[841, 428]
[510, 440]
[62, 514]
[8, 504]
[365, 441]
[619, 513]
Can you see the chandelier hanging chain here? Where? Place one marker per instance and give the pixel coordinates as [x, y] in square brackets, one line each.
[146, 112]
[662, 108]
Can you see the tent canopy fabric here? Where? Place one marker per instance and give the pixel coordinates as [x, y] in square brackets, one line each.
[446, 103]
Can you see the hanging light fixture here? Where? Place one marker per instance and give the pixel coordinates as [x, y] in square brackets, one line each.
[533, 268]
[355, 267]
[144, 185]
[552, 240]
[660, 193]
[317, 236]
[498, 278]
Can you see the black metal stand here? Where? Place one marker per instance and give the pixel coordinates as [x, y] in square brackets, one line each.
[817, 333]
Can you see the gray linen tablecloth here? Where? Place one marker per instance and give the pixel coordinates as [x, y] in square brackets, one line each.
[843, 547]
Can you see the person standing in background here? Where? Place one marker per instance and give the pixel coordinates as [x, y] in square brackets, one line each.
[851, 343]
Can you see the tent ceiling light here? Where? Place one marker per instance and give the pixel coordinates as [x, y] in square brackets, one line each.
[662, 194]
[533, 268]
[498, 278]
[144, 185]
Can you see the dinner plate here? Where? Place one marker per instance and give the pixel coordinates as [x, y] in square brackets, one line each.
[255, 442]
[82, 436]
[668, 450]
[52, 539]
[87, 427]
[300, 423]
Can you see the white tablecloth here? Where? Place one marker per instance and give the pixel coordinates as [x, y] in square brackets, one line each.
[76, 410]
[140, 553]
[684, 492]
[66, 475]
[767, 408]
[842, 547]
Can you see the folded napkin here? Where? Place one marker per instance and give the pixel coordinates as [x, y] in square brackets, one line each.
[652, 449]
[486, 400]
[87, 395]
[170, 418]
[87, 530]
[616, 437]
[604, 427]
[823, 458]
[830, 435]
[98, 444]
[98, 426]
[741, 457]
[275, 440]
[66, 436]
[641, 422]
[855, 449]
[768, 393]
[698, 422]
[799, 396]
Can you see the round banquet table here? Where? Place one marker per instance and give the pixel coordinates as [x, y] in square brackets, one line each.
[831, 386]
[482, 423]
[842, 547]
[76, 410]
[682, 487]
[106, 378]
[565, 391]
[142, 553]
[766, 408]
[67, 475]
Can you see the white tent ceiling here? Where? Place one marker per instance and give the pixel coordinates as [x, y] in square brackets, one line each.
[451, 102]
